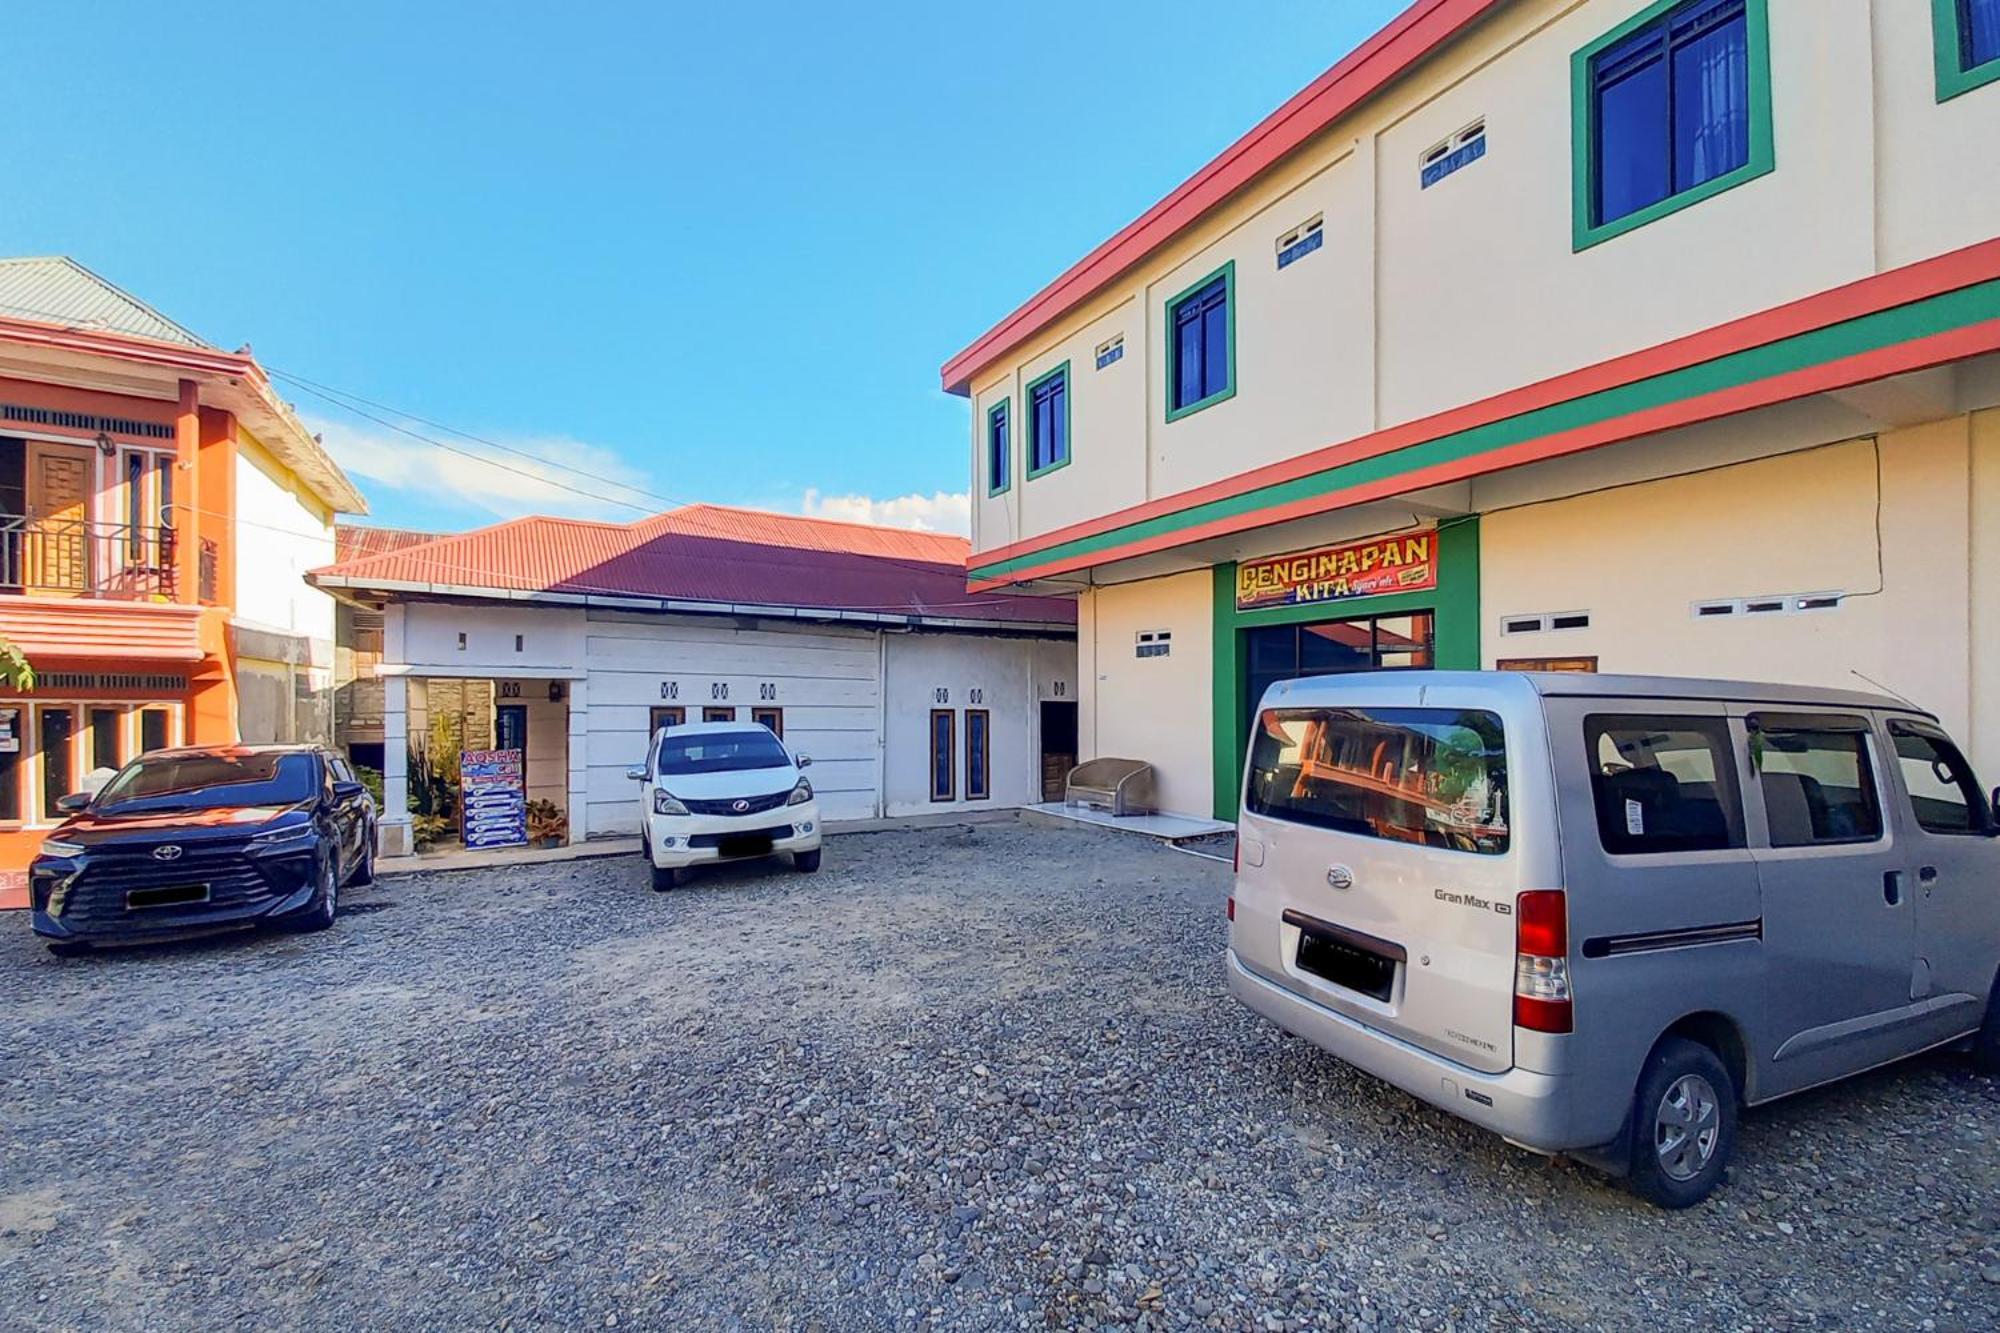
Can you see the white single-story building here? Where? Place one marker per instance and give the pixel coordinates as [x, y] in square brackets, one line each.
[574, 640]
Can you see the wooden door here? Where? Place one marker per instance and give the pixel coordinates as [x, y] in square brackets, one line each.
[56, 554]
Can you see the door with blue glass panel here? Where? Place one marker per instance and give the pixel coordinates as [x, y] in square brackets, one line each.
[1334, 647]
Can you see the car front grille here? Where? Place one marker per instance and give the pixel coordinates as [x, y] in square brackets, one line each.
[753, 805]
[96, 898]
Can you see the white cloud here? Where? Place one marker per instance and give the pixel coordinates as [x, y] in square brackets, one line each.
[504, 485]
[942, 511]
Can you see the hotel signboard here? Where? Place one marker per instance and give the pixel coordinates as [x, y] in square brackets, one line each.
[1406, 562]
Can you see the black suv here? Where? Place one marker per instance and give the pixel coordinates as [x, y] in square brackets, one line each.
[190, 840]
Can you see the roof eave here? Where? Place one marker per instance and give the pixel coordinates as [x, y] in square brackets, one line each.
[1408, 39]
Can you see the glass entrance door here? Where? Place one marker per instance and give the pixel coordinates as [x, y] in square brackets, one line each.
[1332, 647]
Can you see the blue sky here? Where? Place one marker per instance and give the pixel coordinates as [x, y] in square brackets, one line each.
[718, 252]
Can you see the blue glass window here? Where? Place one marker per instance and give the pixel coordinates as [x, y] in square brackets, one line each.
[978, 762]
[1978, 32]
[1671, 107]
[943, 760]
[1048, 421]
[999, 451]
[1202, 363]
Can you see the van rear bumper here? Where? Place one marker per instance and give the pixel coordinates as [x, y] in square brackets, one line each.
[1531, 1109]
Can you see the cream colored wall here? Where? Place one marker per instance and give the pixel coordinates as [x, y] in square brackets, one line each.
[1157, 709]
[1423, 300]
[1935, 192]
[1984, 737]
[1638, 557]
[282, 531]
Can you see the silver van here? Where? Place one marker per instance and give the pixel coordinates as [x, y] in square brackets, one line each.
[1596, 914]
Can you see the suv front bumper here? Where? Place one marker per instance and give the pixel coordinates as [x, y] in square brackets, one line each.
[678, 841]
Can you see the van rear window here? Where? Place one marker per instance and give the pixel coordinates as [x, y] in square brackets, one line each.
[1435, 777]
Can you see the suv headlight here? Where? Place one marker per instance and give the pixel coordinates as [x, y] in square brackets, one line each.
[292, 839]
[50, 847]
[801, 793]
[666, 803]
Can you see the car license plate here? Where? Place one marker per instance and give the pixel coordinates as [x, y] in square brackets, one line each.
[172, 895]
[753, 845]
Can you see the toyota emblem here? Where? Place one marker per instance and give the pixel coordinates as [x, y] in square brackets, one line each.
[1340, 877]
[739, 806]
[167, 853]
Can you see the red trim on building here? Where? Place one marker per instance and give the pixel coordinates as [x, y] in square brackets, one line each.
[1884, 291]
[1920, 354]
[1409, 38]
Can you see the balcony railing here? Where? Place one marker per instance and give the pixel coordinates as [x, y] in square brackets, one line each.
[72, 558]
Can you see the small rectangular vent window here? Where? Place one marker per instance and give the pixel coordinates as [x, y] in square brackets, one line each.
[1461, 150]
[1111, 352]
[1302, 240]
[1775, 604]
[1542, 621]
[1154, 643]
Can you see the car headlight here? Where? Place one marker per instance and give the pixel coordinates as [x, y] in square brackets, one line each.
[291, 839]
[666, 803]
[50, 847]
[801, 793]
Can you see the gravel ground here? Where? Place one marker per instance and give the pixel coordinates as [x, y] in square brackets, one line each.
[967, 1078]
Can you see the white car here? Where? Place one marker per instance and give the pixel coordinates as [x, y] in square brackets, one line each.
[723, 791]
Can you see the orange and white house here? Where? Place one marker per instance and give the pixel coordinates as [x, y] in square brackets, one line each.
[158, 506]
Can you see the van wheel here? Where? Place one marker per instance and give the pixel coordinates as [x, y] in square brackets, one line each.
[806, 862]
[667, 877]
[1684, 1115]
[1986, 1046]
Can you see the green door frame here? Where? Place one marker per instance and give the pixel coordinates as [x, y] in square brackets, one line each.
[1455, 601]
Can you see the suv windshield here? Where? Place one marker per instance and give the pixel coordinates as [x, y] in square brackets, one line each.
[204, 781]
[721, 752]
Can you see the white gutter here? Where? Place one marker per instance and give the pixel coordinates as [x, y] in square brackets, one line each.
[612, 602]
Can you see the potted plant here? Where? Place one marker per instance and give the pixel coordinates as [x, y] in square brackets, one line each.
[548, 826]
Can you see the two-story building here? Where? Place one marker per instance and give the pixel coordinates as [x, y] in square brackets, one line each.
[1633, 335]
[159, 506]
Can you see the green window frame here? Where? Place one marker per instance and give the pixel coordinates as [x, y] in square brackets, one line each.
[1227, 276]
[1948, 33]
[1029, 416]
[1583, 127]
[999, 419]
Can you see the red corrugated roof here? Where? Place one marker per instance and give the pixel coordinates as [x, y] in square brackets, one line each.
[356, 541]
[708, 553]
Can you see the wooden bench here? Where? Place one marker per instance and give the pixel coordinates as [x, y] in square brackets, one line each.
[1122, 786]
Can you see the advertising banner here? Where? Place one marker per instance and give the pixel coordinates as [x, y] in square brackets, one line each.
[492, 799]
[1406, 562]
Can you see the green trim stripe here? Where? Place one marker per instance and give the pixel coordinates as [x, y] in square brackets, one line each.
[1868, 333]
[1948, 33]
[1455, 602]
[1583, 131]
[1028, 422]
[1228, 275]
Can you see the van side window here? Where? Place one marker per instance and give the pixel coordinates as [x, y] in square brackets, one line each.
[1817, 783]
[1663, 783]
[1944, 796]
[1433, 777]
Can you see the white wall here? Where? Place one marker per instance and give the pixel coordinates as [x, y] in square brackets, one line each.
[1006, 677]
[282, 532]
[825, 679]
[551, 640]
[1156, 709]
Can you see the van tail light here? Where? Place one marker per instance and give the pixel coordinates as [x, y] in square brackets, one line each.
[1542, 999]
[1232, 907]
